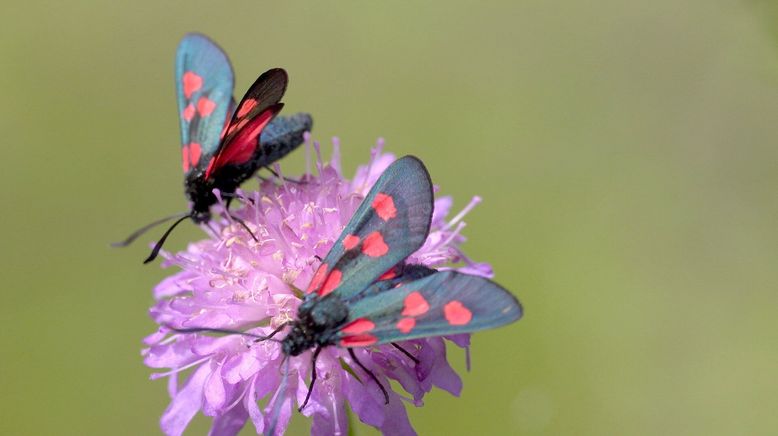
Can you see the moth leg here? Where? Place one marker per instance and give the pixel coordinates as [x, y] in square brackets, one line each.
[245, 227]
[273, 333]
[272, 171]
[231, 195]
[406, 352]
[236, 219]
[370, 373]
[313, 378]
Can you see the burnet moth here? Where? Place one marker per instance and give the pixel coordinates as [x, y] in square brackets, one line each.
[223, 144]
[364, 294]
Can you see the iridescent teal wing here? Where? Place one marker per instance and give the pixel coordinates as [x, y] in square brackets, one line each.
[204, 84]
[437, 304]
[281, 136]
[391, 223]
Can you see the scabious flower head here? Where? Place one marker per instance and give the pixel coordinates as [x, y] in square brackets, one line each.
[231, 281]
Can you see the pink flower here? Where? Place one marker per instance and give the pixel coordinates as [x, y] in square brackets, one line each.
[231, 281]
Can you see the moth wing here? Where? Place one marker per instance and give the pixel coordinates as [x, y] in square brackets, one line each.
[240, 143]
[204, 84]
[391, 223]
[441, 303]
[282, 136]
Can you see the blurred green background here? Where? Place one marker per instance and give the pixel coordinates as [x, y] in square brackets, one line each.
[625, 150]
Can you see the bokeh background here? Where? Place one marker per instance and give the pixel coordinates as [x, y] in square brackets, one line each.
[626, 152]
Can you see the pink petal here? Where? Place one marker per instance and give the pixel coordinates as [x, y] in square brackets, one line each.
[230, 423]
[440, 210]
[214, 391]
[331, 417]
[186, 403]
[442, 375]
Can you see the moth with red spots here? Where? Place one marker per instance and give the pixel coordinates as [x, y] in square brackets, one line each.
[364, 294]
[223, 144]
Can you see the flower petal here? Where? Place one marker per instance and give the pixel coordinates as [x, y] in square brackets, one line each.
[240, 368]
[442, 375]
[440, 210]
[366, 407]
[233, 282]
[264, 382]
[398, 424]
[330, 418]
[214, 391]
[229, 423]
[186, 403]
[279, 409]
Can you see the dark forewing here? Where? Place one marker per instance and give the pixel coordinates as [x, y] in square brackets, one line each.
[443, 303]
[261, 103]
[204, 83]
[391, 223]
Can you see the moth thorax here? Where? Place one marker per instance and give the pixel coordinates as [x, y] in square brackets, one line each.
[329, 313]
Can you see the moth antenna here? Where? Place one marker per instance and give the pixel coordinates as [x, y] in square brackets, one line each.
[239, 195]
[283, 370]
[277, 173]
[257, 338]
[146, 228]
[161, 242]
[406, 352]
[370, 373]
[313, 378]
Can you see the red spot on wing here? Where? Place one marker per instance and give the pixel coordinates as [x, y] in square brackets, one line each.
[241, 148]
[248, 131]
[405, 325]
[192, 83]
[350, 241]
[456, 313]
[332, 282]
[205, 106]
[362, 340]
[185, 157]
[374, 245]
[194, 154]
[246, 107]
[318, 278]
[358, 326]
[384, 206]
[237, 126]
[415, 304]
[188, 113]
[388, 275]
